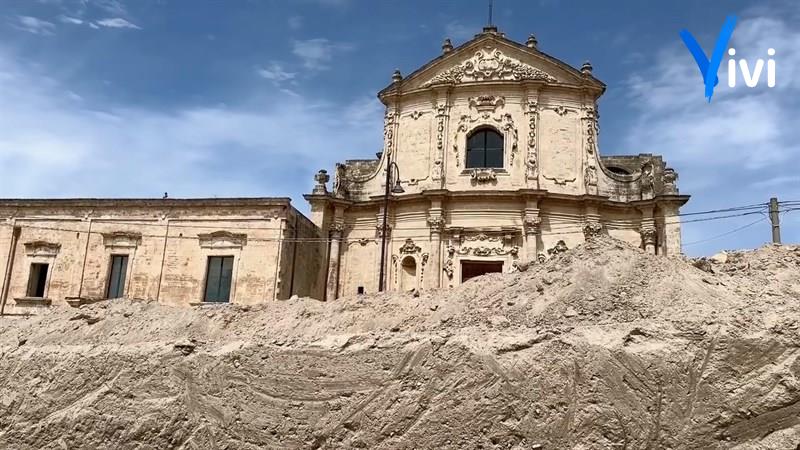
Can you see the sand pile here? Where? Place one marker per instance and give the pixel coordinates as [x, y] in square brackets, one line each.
[601, 347]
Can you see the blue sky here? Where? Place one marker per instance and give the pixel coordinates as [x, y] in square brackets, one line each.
[112, 98]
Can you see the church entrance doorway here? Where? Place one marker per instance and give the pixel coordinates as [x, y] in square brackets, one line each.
[472, 269]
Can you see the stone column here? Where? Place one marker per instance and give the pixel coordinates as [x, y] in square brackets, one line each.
[433, 273]
[591, 221]
[332, 288]
[532, 227]
[647, 230]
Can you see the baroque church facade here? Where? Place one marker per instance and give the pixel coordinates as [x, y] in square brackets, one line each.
[494, 146]
[490, 161]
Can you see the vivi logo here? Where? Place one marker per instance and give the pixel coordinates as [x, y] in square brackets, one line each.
[710, 66]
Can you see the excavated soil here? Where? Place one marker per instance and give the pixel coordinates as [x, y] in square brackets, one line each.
[602, 347]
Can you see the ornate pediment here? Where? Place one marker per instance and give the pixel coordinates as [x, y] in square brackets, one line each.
[42, 248]
[122, 239]
[222, 239]
[489, 64]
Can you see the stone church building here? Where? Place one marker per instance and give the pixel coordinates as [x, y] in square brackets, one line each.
[490, 160]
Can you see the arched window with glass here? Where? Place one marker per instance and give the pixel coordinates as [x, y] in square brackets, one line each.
[484, 149]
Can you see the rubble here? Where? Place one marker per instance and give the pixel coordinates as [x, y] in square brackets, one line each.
[602, 346]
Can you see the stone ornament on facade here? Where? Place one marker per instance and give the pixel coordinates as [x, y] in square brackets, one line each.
[410, 247]
[561, 110]
[361, 241]
[389, 121]
[484, 103]
[122, 239]
[336, 228]
[488, 251]
[416, 114]
[670, 178]
[340, 181]
[449, 268]
[592, 130]
[482, 237]
[532, 224]
[322, 179]
[590, 176]
[532, 161]
[560, 247]
[42, 248]
[441, 117]
[222, 239]
[483, 175]
[649, 236]
[490, 64]
[379, 230]
[436, 223]
[423, 263]
[647, 181]
[592, 229]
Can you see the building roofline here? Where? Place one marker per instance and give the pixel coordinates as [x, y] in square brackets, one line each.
[147, 202]
[500, 36]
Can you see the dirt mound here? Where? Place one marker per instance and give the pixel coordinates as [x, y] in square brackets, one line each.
[603, 346]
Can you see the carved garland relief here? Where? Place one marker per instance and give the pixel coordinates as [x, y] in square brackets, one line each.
[441, 117]
[590, 173]
[490, 64]
[532, 162]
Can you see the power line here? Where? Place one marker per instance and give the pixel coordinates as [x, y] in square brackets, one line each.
[726, 233]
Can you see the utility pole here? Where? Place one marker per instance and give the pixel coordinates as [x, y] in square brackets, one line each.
[775, 219]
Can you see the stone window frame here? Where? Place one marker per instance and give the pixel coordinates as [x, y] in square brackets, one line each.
[39, 252]
[484, 129]
[120, 243]
[220, 243]
[462, 137]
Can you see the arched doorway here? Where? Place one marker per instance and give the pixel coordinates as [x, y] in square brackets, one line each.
[408, 276]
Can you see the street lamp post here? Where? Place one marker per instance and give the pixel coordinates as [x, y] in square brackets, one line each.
[396, 189]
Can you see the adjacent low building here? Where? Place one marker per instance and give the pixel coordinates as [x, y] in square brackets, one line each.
[176, 251]
[490, 161]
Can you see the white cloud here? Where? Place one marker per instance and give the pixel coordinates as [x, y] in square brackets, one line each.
[70, 20]
[117, 22]
[739, 149]
[115, 7]
[276, 73]
[317, 53]
[34, 25]
[52, 144]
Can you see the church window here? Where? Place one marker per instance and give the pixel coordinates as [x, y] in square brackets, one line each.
[484, 149]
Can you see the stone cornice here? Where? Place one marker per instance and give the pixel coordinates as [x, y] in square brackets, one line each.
[522, 194]
[145, 202]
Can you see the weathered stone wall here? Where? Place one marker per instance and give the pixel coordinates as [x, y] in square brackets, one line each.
[302, 259]
[168, 244]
